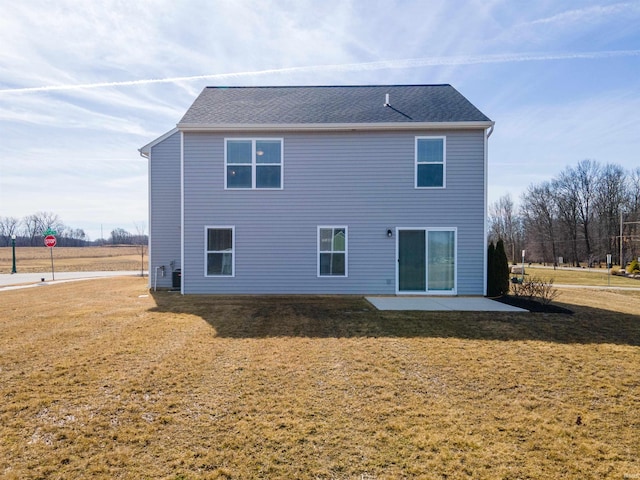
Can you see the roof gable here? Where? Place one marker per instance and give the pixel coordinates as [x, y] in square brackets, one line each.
[217, 107]
[146, 150]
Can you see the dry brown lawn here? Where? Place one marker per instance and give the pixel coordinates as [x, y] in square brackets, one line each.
[99, 380]
[72, 259]
[593, 276]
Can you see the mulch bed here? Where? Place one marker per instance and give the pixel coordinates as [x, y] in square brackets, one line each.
[532, 305]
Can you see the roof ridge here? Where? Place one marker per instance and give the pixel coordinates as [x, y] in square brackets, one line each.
[333, 86]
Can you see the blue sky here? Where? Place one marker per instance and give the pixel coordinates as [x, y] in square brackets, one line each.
[84, 84]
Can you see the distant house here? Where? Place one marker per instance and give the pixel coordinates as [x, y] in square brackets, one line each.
[321, 190]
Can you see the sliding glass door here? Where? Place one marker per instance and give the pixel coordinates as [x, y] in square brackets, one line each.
[411, 261]
[426, 260]
[441, 260]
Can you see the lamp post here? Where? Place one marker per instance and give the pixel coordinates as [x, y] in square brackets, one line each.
[13, 251]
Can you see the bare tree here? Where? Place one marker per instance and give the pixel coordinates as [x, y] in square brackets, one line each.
[8, 226]
[50, 221]
[577, 214]
[539, 213]
[634, 191]
[119, 236]
[30, 227]
[37, 223]
[141, 242]
[609, 199]
[505, 224]
[73, 237]
[565, 197]
[586, 174]
[632, 230]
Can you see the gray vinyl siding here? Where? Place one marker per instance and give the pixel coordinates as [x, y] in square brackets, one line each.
[364, 180]
[164, 209]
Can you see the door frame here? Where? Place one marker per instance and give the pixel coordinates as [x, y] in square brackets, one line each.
[455, 261]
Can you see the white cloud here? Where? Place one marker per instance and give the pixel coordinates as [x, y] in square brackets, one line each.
[589, 14]
[349, 67]
[550, 25]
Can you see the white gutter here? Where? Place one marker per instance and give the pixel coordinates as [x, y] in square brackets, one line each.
[182, 269]
[197, 127]
[485, 268]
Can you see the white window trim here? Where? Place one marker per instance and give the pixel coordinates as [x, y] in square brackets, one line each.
[454, 291]
[233, 249]
[346, 251]
[444, 161]
[254, 163]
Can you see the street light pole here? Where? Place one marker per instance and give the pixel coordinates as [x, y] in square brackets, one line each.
[621, 227]
[13, 251]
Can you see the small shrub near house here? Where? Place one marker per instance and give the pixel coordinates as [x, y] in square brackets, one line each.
[537, 289]
[634, 267]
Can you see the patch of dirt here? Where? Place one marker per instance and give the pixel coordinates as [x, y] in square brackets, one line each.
[532, 305]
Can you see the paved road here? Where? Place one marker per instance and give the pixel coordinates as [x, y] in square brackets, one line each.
[27, 280]
[597, 287]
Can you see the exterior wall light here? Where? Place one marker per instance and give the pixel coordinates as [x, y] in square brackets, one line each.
[389, 233]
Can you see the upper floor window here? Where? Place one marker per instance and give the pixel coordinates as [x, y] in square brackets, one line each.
[430, 162]
[253, 163]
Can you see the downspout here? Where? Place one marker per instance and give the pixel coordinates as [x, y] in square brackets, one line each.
[147, 156]
[182, 235]
[485, 212]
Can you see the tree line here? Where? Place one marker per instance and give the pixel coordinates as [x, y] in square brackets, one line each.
[29, 232]
[584, 213]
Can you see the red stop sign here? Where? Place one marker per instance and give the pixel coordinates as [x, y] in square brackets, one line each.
[50, 241]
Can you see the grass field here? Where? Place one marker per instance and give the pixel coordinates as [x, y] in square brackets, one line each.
[101, 379]
[72, 259]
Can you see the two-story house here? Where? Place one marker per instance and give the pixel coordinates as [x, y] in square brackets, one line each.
[321, 190]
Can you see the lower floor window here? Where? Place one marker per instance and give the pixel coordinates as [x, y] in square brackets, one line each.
[220, 251]
[332, 251]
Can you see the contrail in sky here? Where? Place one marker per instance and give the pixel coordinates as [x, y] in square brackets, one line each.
[347, 67]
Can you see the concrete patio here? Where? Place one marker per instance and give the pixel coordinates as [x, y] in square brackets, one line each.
[464, 304]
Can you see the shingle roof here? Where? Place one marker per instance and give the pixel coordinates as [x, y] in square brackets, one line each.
[219, 106]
